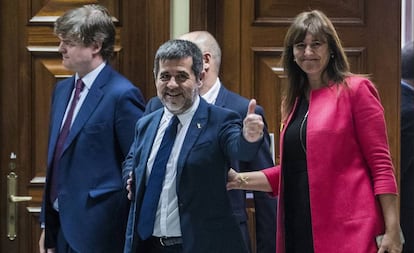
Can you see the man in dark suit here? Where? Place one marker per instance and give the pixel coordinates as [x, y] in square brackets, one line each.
[215, 93]
[91, 129]
[192, 212]
[407, 146]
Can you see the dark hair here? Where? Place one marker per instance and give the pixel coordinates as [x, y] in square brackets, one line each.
[407, 61]
[87, 25]
[179, 49]
[318, 24]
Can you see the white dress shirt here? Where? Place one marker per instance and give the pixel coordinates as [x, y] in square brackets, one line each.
[167, 220]
[87, 81]
[211, 95]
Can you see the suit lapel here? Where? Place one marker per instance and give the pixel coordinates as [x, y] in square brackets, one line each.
[92, 100]
[62, 93]
[197, 126]
[150, 129]
[221, 99]
[149, 137]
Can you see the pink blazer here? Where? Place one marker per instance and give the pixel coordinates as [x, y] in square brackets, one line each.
[348, 165]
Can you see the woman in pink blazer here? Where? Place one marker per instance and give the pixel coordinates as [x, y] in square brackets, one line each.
[336, 186]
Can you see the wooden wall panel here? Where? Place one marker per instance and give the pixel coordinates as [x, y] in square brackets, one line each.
[265, 23]
[274, 12]
[30, 67]
[269, 84]
[43, 79]
[251, 35]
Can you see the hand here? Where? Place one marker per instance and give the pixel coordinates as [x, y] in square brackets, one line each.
[129, 186]
[235, 180]
[252, 124]
[232, 179]
[391, 243]
[42, 244]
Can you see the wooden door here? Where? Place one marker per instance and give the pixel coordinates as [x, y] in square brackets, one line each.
[30, 67]
[251, 34]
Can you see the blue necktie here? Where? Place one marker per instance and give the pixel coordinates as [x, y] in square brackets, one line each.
[154, 186]
[61, 140]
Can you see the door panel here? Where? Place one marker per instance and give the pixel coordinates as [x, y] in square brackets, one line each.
[251, 34]
[31, 66]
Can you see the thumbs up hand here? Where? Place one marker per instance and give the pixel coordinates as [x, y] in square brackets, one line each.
[252, 124]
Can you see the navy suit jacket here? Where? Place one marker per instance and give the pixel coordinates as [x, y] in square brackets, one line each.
[407, 166]
[265, 206]
[206, 219]
[93, 207]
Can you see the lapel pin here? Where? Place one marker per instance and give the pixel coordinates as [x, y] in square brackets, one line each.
[198, 125]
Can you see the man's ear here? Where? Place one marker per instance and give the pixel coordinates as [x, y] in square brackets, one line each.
[206, 61]
[96, 47]
[200, 80]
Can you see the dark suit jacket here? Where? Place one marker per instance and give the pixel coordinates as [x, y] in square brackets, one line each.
[206, 219]
[407, 167]
[93, 207]
[265, 206]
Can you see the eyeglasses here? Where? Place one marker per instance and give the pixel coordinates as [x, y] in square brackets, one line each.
[315, 45]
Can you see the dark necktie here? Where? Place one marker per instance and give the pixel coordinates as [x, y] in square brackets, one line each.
[61, 140]
[154, 186]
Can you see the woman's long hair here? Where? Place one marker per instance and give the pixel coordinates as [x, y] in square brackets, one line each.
[318, 24]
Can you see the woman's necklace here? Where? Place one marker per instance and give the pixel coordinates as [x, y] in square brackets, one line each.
[301, 130]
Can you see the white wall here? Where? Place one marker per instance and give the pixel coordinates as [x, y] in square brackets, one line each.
[180, 17]
[407, 20]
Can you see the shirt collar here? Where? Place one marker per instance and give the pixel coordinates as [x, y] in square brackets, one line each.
[186, 116]
[89, 78]
[211, 95]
